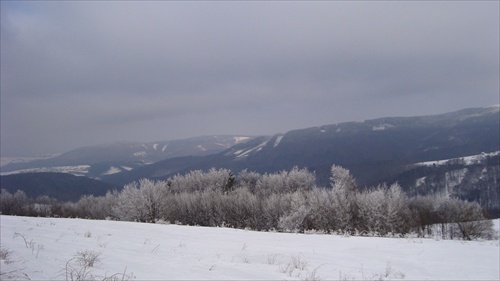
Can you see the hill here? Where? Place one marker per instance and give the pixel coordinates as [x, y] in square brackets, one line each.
[60, 186]
[175, 252]
[111, 158]
[374, 150]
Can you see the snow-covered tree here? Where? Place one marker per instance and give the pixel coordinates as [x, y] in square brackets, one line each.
[344, 197]
[286, 182]
[341, 179]
[322, 211]
[215, 179]
[141, 201]
[271, 183]
[14, 204]
[372, 210]
[300, 180]
[248, 180]
[397, 210]
[468, 217]
[297, 217]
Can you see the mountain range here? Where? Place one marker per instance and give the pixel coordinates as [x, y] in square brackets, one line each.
[111, 158]
[375, 151]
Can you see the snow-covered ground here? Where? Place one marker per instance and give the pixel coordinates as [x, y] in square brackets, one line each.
[77, 170]
[4, 161]
[45, 248]
[468, 160]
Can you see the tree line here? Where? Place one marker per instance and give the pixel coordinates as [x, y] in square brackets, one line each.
[282, 201]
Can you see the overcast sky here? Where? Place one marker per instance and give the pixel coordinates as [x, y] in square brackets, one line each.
[79, 73]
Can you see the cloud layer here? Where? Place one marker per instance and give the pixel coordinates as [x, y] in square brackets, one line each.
[77, 73]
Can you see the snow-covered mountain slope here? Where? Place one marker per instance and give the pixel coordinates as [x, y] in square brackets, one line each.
[473, 178]
[106, 159]
[467, 160]
[77, 170]
[61, 186]
[55, 249]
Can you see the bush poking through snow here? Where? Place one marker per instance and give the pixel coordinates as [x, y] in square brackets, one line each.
[312, 276]
[296, 263]
[80, 267]
[272, 259]
[88, 258]
[28, 243]
[4, 254]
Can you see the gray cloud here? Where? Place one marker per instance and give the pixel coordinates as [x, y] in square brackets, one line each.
[78, 73]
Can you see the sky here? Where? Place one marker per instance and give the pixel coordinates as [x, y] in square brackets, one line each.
[80, 73]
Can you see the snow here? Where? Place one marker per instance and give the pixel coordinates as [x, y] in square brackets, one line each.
[174, 252]
[382, 127]
[420, 181]
[140, 153]
[112, 170]
[164, 147]
[155, 146]
[200, 147]
[127, 168]
[468, 160]
[455, 177]
[277, 141]
[240, 139]
[78, 170]
[245, 153]
[4, 161]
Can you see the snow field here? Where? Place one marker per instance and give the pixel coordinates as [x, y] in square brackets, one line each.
[40, 248]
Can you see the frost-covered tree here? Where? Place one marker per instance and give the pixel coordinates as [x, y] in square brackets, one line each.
[286, 182]
[272, 184]
[397, 216]
[371, 208]
[44, 206]
[341, 179]
[141, 201]
[242, 209]
[90, 207]
[344, 190]
[297, 216]
[14, 204]
[129, 204]
[468, 217]
[248, 180]
[424, 211]
[300, 180]
[273, 207]
[215, 179]
[322, 211]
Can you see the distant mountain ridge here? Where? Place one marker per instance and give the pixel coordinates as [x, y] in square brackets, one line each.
[106, 159]
[374, 150]
[61, 186]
